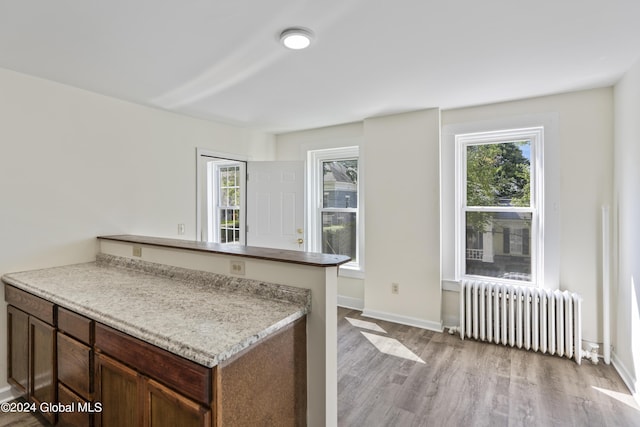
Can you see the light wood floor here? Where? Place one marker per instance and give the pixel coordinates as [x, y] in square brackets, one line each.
[437, 379]
[382, 381]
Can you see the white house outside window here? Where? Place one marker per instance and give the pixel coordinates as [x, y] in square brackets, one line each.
[498, 192]
[334, 204]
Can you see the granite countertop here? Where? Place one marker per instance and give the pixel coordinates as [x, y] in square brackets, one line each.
[201, 316]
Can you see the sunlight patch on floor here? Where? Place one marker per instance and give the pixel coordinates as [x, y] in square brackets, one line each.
[625, 398]
[392, 347]
[365, 325]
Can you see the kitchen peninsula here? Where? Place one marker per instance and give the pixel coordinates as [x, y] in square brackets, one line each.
[228, 315]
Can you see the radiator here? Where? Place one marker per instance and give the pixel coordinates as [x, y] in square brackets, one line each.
[519, 316]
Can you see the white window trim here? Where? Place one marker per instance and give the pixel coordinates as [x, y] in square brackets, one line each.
[204, 201]
[213, 177]
[314, 202]
[537, 209]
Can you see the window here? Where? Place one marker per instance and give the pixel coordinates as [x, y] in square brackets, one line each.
[334, 204]
[229, 196]
[221, 198]
[498, 192]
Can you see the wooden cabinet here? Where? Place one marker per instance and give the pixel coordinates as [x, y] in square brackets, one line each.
[32, 350]
[130, 398]
[75, 368]
[164, 407]
[110, 378]
[81, 416]
[18, 349]
[42, 379]
[118, 388]
[133, 383]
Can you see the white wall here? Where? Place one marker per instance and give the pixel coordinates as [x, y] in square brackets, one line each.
[585, 136]
[402, 218]
[408, 252]
[626, 295]
[74, 165]
[400, 159]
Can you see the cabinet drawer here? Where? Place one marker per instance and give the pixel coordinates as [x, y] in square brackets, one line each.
[75, 365]
[80, 416]
[193, 380]
[30, 304]
[75, 325]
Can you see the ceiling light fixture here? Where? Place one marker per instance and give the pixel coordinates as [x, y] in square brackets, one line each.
[296, 38]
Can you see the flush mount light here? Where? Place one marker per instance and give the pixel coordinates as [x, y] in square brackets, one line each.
[296, 38]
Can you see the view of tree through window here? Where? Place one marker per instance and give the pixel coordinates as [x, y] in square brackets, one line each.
[339, 207]
[498, 215]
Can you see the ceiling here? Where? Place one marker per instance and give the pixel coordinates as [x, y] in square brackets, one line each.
[222, 61]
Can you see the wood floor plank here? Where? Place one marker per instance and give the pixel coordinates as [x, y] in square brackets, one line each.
[469, 383]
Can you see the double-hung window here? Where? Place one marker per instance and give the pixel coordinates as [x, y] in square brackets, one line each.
[499, 198]
[229, 199]
[221, 198]
[334, 204]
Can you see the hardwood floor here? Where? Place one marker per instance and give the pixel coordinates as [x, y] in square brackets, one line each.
[399, 376]
[24, 419]
[439, 380]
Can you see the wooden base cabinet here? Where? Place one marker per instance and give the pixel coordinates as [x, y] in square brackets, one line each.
[42, 380]
[75, 369]
[118, 389]
[166, 408]
[110, 379]
[32, 349]
[130, 398]
[18, 349]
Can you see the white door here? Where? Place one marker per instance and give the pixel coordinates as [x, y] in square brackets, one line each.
[275, 205]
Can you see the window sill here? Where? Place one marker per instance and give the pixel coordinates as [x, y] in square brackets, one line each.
[350, 272]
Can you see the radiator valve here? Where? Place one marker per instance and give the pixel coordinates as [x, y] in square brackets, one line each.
[591, 352]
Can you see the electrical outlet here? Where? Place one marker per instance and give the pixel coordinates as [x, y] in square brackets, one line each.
[395, 288]
[137, 251]
[181, 229]
[237, 267]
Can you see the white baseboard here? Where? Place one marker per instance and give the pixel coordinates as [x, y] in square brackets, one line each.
[350, 302]
[404, 320]
[631, 382]
[7, 393]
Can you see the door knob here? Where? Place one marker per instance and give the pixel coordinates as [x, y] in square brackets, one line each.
[300, 241]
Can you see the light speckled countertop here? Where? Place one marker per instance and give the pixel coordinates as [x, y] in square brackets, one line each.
[201, 316]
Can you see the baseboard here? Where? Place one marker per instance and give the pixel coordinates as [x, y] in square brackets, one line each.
[631, 383]
[404, 320]
[350, 302]
[7, 393]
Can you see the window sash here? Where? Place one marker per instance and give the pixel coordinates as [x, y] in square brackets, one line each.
[532, 249]
[316, 209]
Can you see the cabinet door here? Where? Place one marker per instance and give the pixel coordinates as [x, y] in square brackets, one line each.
[18, 349]
[166, 408]
[118, 388]
[42, 379]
